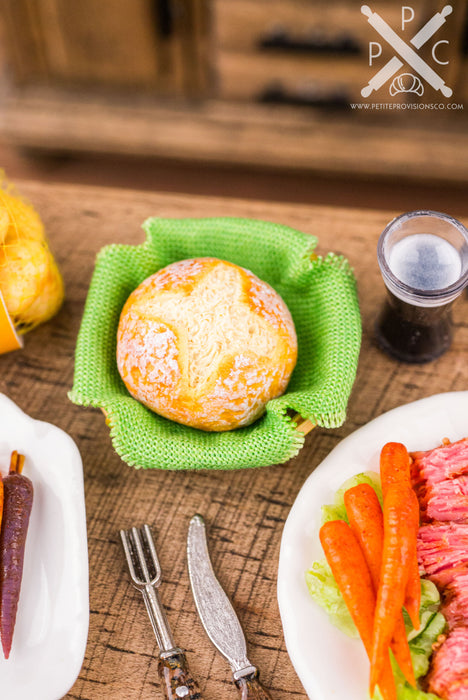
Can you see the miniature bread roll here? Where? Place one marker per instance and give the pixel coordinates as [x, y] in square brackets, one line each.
[206, 343]
[30, 282]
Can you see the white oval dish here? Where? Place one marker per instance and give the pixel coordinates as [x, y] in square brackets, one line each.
[53, 612]
[329, 664]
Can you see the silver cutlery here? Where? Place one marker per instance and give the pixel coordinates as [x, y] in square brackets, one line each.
[145, 573]
[217, 614]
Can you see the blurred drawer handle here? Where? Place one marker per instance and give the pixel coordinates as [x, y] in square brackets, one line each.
[163, 17]
[308, 97]
[315, 41]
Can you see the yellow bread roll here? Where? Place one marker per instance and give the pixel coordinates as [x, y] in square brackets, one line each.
[18, 220]
[30, 282]
[4, 224]
[206, 343]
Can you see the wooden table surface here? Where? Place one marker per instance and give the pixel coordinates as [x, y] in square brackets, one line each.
[245, 511]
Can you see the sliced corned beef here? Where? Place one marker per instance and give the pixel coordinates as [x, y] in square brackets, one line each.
[444, 578]
[440, 479]
[444, 462]
[448, 500]
[443, 558]
[442, 546]
[459, 692]
[448, 676]
[456, 611]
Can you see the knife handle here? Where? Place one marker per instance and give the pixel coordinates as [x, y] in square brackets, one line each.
[177, 679]
[250, 688]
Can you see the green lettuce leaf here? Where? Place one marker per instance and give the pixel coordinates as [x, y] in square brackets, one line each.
[421, 650]
[430, 603]
[323, 589]
[337, 510]
[421, 645]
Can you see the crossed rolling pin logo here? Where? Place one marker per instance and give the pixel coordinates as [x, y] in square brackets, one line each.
[406, 82]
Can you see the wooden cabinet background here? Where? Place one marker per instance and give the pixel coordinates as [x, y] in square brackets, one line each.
[217, 68]
[136, 44]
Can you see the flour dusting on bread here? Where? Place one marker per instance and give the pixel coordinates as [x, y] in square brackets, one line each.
[206, 343]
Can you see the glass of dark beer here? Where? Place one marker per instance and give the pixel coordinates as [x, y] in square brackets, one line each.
[423, 258]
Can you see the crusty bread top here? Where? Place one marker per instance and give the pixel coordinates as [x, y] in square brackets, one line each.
[206, 330]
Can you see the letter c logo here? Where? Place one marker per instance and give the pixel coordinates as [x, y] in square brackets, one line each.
[441, 63]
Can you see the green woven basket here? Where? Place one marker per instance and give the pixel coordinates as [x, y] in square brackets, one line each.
[320, 293]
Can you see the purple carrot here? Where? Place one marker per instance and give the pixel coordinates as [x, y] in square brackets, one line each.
[17, 503]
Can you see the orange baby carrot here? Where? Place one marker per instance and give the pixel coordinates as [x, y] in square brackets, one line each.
[395, 467]
[413, 593]
[401, 521]
[366, 521]
[352, 575]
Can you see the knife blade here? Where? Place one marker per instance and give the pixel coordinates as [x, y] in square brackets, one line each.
[217, 615]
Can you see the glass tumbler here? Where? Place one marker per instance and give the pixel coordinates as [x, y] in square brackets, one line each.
[423, 258]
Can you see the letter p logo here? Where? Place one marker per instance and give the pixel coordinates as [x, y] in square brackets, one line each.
[373, 54]
[407, 15]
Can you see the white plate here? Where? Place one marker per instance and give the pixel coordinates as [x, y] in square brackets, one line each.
[329, 664]
[53, 611]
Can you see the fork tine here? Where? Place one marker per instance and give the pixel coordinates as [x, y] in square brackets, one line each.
[136, 552]
[140, 554]
[127, 547]
[154, 555]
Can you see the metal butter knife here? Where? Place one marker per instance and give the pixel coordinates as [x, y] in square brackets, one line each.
[217, 614]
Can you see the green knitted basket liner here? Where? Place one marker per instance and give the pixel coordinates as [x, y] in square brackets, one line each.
[320, 293]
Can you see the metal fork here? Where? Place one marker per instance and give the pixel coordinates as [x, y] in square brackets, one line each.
[145, 572]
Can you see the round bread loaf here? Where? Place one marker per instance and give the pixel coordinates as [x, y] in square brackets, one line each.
[206, 343]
